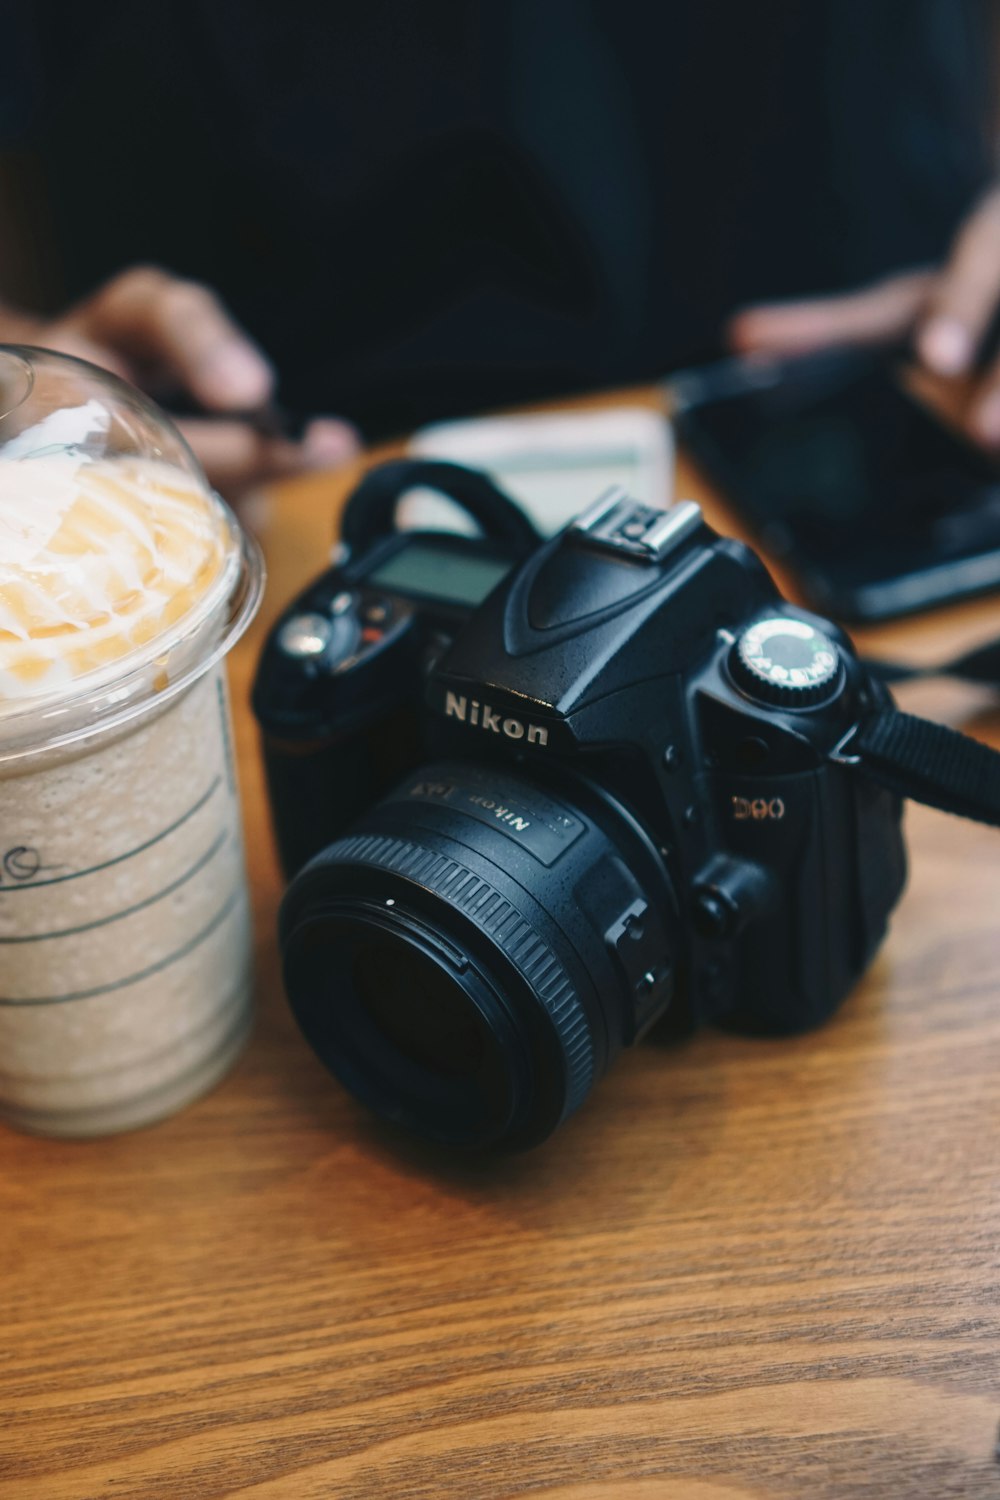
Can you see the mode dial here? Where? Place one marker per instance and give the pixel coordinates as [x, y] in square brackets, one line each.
[784, 661]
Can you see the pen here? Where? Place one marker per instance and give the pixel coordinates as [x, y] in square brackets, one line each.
[272, 420]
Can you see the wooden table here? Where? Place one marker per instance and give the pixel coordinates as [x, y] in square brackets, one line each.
[746, 1268]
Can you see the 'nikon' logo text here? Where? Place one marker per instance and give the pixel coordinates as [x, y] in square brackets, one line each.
[482, 716]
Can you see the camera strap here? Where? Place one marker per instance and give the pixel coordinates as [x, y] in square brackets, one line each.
[370, 511]
[927, 762]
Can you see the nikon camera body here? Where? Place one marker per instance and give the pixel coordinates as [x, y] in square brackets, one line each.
[533, 796]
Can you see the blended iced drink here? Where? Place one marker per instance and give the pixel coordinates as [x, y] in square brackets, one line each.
[125, 945]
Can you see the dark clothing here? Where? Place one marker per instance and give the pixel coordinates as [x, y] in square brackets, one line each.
[426, 208]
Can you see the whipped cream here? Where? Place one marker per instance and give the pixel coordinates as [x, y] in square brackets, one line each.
[99, 559]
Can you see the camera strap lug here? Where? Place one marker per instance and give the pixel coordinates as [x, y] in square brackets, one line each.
[839, 754]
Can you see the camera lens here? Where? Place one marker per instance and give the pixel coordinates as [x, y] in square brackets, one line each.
[472, 955]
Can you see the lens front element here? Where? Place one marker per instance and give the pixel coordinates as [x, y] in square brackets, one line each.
[425, 1016]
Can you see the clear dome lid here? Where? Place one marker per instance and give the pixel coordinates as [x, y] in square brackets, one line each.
[122, 574]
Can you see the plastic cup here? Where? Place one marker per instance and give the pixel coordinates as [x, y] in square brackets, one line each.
[125, 941]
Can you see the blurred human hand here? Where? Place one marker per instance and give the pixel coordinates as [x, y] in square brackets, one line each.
[946, 311]
[174, 337]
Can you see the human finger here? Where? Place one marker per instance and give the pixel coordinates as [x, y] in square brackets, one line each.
[19, 327]
[874, 314]
[966, 293]
[181, 329]
[235, 455]
[330, 441]
[982, 411]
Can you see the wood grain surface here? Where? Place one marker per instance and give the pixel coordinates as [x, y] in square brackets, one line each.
[745, 1269]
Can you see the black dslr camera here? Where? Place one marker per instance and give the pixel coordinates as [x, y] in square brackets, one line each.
[548, 789]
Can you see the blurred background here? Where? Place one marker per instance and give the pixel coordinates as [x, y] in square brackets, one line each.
[394, 213]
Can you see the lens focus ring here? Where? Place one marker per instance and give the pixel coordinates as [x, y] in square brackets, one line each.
[494, 915]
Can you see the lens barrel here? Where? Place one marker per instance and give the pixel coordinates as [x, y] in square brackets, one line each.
[472, 955]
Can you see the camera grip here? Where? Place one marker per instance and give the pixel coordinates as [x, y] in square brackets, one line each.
[833, 848]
